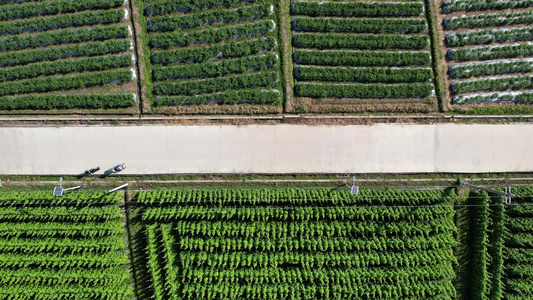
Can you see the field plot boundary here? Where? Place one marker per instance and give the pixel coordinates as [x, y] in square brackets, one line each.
[487, 48]
[67, 58]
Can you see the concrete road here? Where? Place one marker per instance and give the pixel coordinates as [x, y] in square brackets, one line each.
[381, 148]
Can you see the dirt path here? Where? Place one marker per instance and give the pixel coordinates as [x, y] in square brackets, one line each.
[286, 55]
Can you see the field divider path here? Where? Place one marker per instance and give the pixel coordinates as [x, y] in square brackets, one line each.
[286, 46]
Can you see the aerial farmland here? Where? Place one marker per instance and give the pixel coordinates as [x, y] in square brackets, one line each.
[265, 57]
[266, 149]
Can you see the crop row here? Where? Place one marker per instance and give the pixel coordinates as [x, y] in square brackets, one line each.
[62, 260]
[62, 21]
[46, 84]
[309, 230]
[54, 7]
[451, 6]
[203, 53]
[252, 96]
[173, 39]
[493, 84]
[81, 255]
[494, 19]
[358, 9]
[77, 276]
[469, 70]
[161, 7]
[496, 234]
[67, 291]
[519, 271]
[520, 239]
[210, 17]
[378, 90]
[418, 290]
[313, 73]
[99, 63]
[491, 52]
[384, 213]
[359, 25]
[479, 251]
[519, 255]
[13, 43]
[213, 85]
[48, 199]
[293, 197]
[361, 58]
[518, 288]
[50, 229]
[520, 224]
[13, 1]
[524, 192]
[60, 214]
[63, 245]
[487, 36]
[521, 210]
[359, 41]
[318, 276]
[171, 259]
[518, 97]
[355, 260]
[87, 49]
[212, 69]
[329, 244]
[154, 267]
[67, 101]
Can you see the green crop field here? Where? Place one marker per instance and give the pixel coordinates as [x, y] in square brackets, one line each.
[68, 247]
[214, 52]
[517, 237]
[292, 244]
[265, 56]
[362, 56]
[489, 50]
[267, 244]
[60, 54]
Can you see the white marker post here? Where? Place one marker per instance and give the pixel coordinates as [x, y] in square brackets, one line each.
[355, 189]
[118, 188]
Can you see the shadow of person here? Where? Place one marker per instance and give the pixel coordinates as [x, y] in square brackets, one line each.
[82, 175]
[107, 173]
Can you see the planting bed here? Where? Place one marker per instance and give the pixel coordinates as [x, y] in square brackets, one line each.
[216, 56]
[489, 48]
[68, 247]
[517, 221]
[295, 244]
[60, 54]
[362, 56]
